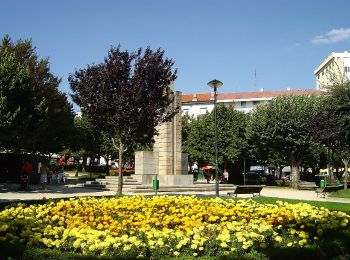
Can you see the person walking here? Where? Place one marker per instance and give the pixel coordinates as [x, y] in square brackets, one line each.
[226, 176]
[27, 169]
[44, 170]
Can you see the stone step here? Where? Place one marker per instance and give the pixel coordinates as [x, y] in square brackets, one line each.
[116, 177]
[179, 189]
[124, 185]
[95, 186]
[194, 186]
[93, 183]
[116, 181]
[136, 191]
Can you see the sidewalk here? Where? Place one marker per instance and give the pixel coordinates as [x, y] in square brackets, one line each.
[10, 193]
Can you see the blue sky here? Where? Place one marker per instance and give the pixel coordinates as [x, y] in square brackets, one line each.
[284, 41]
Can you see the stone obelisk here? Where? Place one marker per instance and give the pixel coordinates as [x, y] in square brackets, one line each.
[166, 160]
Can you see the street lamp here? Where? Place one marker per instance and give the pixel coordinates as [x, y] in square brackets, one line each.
[215, 84]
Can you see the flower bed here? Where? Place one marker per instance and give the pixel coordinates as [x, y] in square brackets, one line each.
[168, 226]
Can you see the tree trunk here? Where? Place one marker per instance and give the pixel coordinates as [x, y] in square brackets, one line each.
[329, 170]
[294, 172]
[346, 163]
[120, 149]
[120, 177]
[83, 166]
[278, 171]
[107, 164]
[77, 169]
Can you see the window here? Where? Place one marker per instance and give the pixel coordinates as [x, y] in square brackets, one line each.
[256, 103]
[203, 111]
[243, 103]
[185, 111]
[347, 69]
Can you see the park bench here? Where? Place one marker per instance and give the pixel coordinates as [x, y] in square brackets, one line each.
[329, 188]
[247, 189]
[307, 186]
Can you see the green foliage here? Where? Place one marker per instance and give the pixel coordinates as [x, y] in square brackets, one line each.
[198, 135]
[280, 127]
[35, 115]
[329, 205]
[340, 194]
[282, 124]
[85, 140]
[331, 125]
[16, 100]
[337, 109]
[55, 254]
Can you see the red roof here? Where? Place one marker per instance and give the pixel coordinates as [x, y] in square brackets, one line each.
[248, 95]
[200, 97]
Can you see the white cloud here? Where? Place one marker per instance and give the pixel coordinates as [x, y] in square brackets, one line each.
[333, 36]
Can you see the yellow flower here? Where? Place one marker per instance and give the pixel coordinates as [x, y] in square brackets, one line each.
[194, 246]
[223, 244]
[278, 239]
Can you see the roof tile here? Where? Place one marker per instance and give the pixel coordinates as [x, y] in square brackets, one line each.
[248, 95]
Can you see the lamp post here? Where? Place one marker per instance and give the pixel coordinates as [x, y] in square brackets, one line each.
[215, 84]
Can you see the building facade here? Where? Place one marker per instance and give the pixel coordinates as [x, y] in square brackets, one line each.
[335, 68]
[195, 105]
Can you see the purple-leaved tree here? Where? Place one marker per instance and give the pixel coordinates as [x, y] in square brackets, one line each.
[126, 96]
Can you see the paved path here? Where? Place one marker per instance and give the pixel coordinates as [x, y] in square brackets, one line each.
[11, 193]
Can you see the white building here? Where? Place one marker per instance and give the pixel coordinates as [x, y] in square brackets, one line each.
[199, 104]
[334, 69]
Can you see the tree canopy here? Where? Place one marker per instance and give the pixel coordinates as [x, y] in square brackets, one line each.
[280, 126]
[198, 136]
[126, 96]
[331, 125]
[35, 115]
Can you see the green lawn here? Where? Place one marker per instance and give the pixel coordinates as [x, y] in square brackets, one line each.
[345, 207]
[341, 194]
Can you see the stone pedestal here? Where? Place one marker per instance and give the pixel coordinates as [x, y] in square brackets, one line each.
[166, 160]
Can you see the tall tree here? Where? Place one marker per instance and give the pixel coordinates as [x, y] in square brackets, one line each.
[16, 101]
[85, 140]
[281, 127]
[198, 139]
[49, 118]
[331, 125]
[126, 96]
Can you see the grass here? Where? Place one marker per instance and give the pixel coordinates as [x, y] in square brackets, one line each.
[340, 194]
[345, 207]
[276, 187]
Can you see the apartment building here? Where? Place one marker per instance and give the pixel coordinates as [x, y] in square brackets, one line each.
[335, 68]
[198, 104]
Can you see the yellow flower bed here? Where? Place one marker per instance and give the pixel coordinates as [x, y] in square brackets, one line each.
[167, 225]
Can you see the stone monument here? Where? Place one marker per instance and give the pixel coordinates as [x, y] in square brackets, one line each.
[166, 160]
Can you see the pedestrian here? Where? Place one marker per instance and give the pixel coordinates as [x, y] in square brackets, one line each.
[226, 176]
[44, 170]
[27, 169]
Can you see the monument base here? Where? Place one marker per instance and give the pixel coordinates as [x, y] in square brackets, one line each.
[147, 167]
[165, 180]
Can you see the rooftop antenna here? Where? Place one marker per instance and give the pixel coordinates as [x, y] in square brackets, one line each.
[255, 78]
